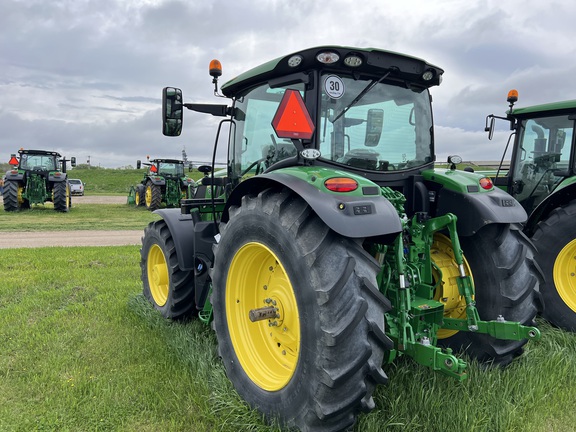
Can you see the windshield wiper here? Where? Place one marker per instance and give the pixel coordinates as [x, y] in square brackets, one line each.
[369, 87]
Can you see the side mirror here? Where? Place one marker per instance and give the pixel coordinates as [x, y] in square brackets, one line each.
[374, 124]
[489, 126]
[73, 161]
[138, 164]
[172, 111]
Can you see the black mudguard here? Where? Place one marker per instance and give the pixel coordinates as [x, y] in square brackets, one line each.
[558, 198]
[476, 210]
[157, 181]
[193, 241]
[370, 215]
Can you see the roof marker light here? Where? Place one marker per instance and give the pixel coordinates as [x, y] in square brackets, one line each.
[295, 60]
[327, 57]
[428, 75]
[353, 60]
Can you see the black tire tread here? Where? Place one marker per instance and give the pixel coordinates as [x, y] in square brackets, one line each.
[181, 297]
[351, 343]
[507, 283]
[550, 236]
[10, 196]
[61, 194]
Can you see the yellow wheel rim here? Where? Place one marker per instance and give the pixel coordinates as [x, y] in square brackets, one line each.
[20, 198]
[565, 274]
[158, 279]
[148, 196]
[445, 275]
[137, 197]
[267, 349]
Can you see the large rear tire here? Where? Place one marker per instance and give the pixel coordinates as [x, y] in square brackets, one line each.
[506, 283]
[62, 196]
[12, 196]
[315, 365]
[168, 288]
[153, 196]
[555, 240]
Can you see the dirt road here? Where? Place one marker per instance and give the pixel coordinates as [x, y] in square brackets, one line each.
[74, 238]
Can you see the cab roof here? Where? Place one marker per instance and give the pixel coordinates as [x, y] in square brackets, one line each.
[532, 111]
[374, 62]
[39, 152]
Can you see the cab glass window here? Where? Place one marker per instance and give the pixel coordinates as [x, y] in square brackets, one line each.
[374, 126]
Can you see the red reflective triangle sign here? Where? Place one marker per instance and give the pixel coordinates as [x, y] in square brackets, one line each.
[292, 119]
[13, 161]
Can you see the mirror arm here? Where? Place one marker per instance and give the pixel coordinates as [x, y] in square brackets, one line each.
[215, 110]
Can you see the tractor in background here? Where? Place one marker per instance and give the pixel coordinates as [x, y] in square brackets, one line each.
[331, 244]
[542, 177]
[164, 183]
[37, 176]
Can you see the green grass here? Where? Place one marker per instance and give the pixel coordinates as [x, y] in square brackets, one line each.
[80, 217]
[106, 181]
[81, 350]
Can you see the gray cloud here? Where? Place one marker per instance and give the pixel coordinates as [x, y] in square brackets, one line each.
[85, 77]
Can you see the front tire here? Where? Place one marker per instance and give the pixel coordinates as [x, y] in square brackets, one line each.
[555, 240]
[140, 195]
[168, 288]
[315, 365]
[506, 284]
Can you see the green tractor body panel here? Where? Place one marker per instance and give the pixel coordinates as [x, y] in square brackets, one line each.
[330, 191]
[36, 179]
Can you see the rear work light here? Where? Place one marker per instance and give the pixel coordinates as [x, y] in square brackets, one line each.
[341, 184]
[486, 183]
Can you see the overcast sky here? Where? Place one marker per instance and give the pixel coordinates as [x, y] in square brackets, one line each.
[84, 77]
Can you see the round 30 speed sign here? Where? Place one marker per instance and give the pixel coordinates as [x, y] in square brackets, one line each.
[334, 86]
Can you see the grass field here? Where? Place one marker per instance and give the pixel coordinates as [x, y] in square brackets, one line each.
[112, 181]
[80, 217]
[83, 351]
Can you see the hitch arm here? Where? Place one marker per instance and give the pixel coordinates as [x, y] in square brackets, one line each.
[498, 328]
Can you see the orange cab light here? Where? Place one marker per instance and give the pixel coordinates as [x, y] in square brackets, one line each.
[512, 96]
[13, 160]
[341, 184]
[215, 68]
[486, 183]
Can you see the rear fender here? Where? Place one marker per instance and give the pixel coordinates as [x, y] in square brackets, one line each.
[474, 211]
[193, 241]
[356, 216]
[561, 196]
[159, 181]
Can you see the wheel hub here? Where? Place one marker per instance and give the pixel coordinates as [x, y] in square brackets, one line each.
[158, 279]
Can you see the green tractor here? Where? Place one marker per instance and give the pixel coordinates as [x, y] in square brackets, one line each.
[164, 183]
[542, 177]
[37, 176]
[332, 245]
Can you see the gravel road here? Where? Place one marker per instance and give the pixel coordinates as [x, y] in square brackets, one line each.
[74, 238]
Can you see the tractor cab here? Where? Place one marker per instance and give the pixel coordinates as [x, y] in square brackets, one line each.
[362, 110]
[543, 158]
